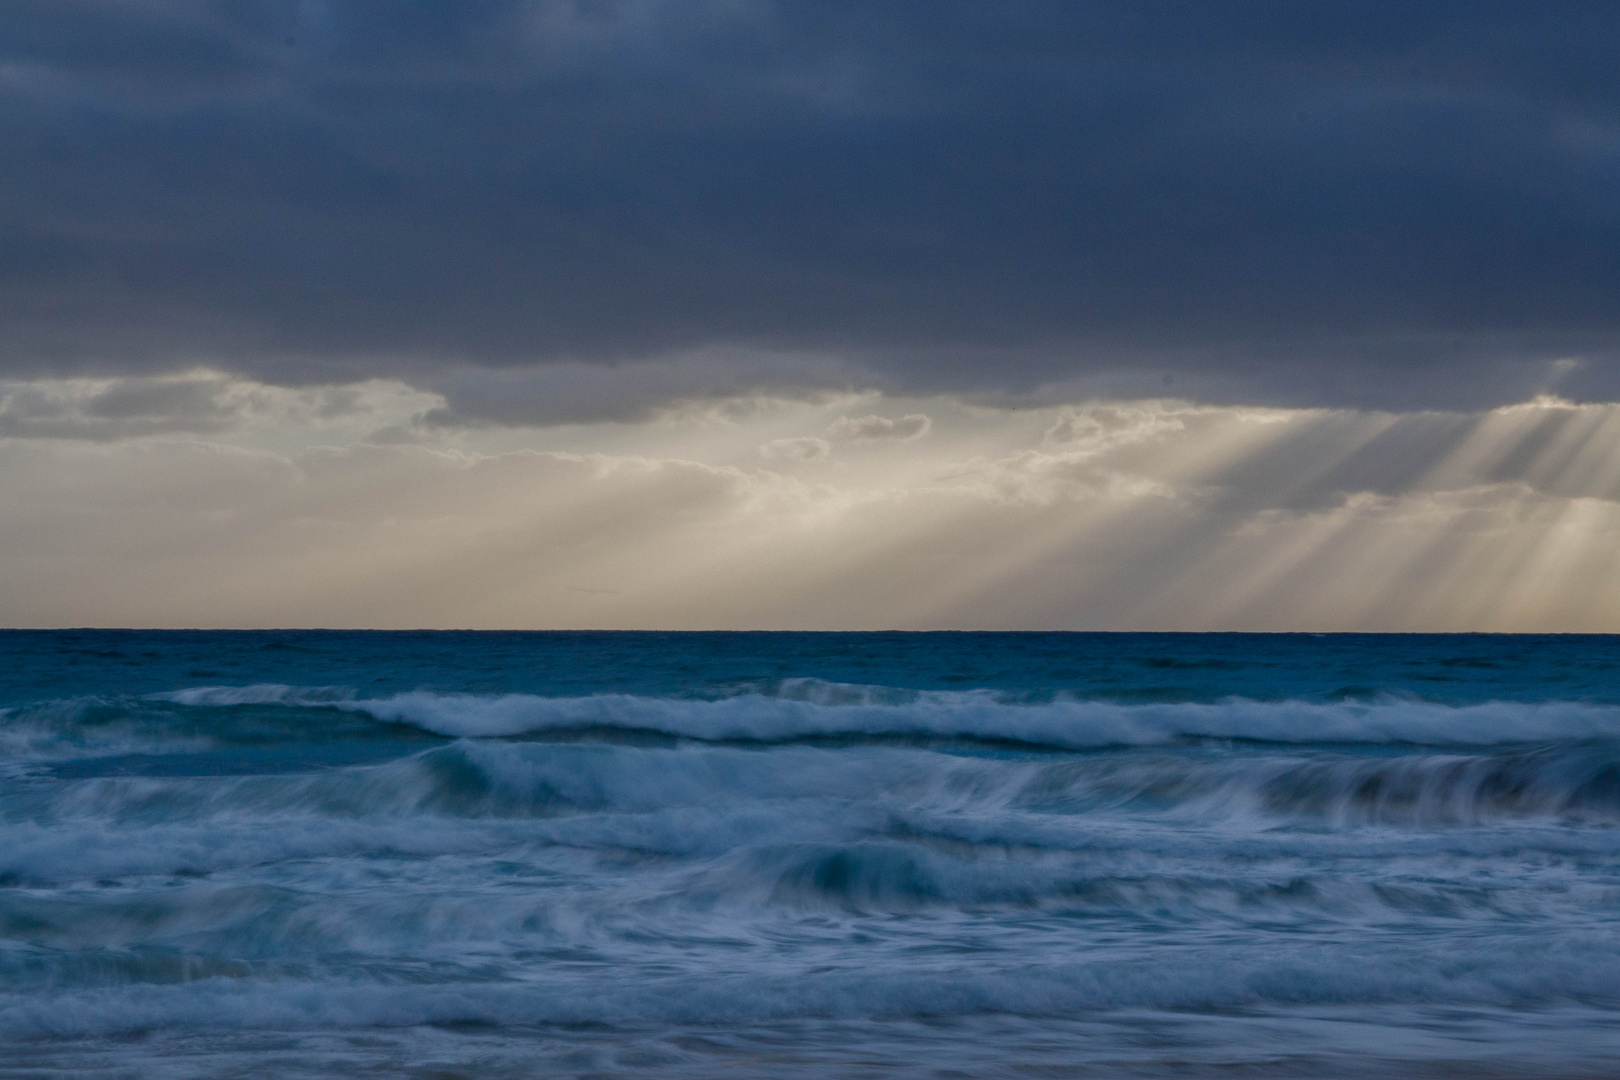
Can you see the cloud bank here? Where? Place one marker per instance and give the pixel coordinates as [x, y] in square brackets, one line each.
[649, 201]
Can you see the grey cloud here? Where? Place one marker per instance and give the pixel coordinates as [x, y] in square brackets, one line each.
[870, 428]
[194, 403]
[1380, 203]
[122, 408]
[807, 448]
[575, 392]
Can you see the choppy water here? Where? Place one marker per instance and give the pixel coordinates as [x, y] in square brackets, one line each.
[808, 855]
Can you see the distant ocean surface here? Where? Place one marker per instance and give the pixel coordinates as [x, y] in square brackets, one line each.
[779, 855]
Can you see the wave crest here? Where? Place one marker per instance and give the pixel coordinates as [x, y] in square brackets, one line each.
[807, 711]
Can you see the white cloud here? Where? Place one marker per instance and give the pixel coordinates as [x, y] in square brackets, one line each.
[1101, 426]
[807, 448]
[871, 428]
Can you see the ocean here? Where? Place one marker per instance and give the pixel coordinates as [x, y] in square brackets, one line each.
[437, 854]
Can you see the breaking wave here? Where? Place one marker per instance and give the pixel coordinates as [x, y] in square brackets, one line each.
[223, 859]
[805, 709]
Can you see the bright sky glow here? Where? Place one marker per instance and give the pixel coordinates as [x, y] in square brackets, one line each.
[206, 500]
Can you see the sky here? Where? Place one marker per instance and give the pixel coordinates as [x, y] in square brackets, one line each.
[748, 314]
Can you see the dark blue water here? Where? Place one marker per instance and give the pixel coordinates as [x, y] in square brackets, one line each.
[492, 854]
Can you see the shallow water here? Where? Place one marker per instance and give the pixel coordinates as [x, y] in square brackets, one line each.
[293, 853]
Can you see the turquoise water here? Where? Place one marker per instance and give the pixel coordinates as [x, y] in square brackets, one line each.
[492, 854]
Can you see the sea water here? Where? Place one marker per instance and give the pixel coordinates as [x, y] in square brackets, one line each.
[909, 855]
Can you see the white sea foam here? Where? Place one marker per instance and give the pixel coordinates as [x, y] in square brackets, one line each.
[827, 710]
[84, 727]
[822, 824]
[1317, 1042]
[1204, 978]
[257, 694]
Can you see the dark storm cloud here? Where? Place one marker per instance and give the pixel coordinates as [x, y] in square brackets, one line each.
[1390, 203]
